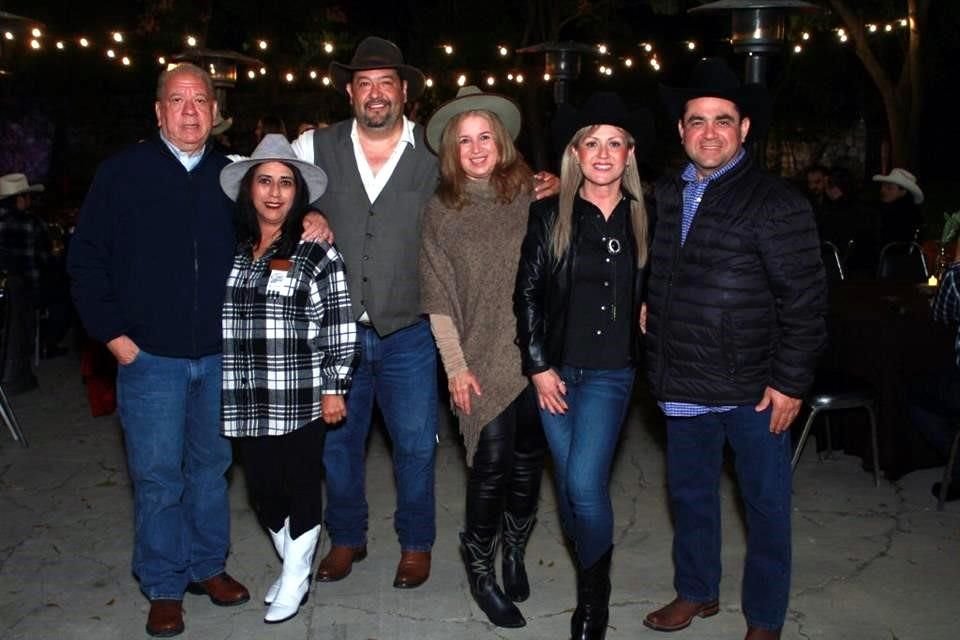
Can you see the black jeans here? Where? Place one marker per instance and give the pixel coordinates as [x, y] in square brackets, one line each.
[507, 466]
[934, 409]
[284, 477]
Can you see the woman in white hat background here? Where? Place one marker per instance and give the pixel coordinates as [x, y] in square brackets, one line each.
[24, 255]
[289, 348]
[899, 216]
[472, 230]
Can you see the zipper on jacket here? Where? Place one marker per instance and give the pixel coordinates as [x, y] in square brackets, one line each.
[661, 358]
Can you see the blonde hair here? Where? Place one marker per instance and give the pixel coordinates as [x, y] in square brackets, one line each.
[571, 177]
[511, 176]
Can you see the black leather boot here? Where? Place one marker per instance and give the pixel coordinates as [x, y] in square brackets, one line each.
[593, 600]
[516, 533]
[478, 554]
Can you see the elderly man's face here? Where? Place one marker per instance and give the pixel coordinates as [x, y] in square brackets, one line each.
[377, 96]
[185, 111]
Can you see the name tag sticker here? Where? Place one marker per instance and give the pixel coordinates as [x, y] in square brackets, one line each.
[279, 282]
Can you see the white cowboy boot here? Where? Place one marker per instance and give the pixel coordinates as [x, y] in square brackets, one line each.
[295, 579]
[278, 538]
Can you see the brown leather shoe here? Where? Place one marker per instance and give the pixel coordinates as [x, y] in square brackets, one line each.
[679, 614]
[338, 562]
[756, 633]
[223, 590]
[165, 618]
[413, 570]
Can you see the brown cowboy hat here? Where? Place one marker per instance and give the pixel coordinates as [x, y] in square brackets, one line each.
[377, 53]
[713, 78]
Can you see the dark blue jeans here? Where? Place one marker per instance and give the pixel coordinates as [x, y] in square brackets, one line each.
[170, 409]
[400, 372]
[582, 442]
[694, 461]
[934, 409]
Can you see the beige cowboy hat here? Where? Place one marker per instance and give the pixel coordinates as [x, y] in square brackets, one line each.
[13, 184]
[273, 148]
[377, 53]
[220, 125]
[470, 98]
[905, 179]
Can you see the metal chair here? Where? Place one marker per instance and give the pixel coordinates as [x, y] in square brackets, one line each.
[833, 395]
[902, 261]
[832, 262]
[948, 472]
[6, 410]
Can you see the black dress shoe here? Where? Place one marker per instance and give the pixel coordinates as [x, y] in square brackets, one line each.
[953, 491]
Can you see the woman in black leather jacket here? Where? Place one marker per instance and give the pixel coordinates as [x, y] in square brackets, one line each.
[577, 308]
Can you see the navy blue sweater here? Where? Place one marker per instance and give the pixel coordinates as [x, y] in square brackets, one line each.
[152, 251]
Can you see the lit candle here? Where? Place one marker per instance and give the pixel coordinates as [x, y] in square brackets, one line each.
[932, 281]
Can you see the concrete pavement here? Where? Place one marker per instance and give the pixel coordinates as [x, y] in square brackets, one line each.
[869, 563]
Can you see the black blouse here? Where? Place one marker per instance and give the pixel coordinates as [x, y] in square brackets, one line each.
[601, 301]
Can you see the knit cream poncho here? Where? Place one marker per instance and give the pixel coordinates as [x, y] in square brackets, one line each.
[468, 265]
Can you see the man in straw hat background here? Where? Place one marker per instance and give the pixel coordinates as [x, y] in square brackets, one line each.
[24, 255]
[898, 216]
[735, 322]
[381, 176]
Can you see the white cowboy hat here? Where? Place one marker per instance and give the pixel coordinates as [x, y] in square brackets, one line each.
[13, 184]
[220, 125]
[905, 179]
[273, 148]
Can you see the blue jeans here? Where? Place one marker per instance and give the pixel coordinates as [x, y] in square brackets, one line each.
[582, 442]
[694, 461]
[170, 409]
[400, 372]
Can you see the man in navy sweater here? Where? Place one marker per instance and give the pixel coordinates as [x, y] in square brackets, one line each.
[149, 264]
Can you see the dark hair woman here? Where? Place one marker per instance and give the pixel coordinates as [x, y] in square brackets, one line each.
[289, 348]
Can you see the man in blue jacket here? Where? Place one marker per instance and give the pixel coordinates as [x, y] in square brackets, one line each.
[736, 305]
[149, 264]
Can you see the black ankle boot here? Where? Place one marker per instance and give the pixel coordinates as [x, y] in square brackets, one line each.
[593, 600]
[516, 533]
[478, 554]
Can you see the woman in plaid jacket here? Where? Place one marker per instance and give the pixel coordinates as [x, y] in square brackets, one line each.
[289, 348]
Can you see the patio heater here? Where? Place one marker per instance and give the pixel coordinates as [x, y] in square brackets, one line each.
[562, 64]
[758, 29]
[12, 24]
[222, 67]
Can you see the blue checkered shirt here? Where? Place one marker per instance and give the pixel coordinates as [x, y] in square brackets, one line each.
[946, 306]
[692, 194]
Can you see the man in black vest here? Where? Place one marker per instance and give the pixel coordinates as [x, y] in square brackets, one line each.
[735, 323]
[381, 175]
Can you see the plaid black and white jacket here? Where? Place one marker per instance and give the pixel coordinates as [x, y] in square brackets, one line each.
[286, 344]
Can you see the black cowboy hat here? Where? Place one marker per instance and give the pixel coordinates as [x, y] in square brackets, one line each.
[713, 78]
[377, 53]
[604, 107]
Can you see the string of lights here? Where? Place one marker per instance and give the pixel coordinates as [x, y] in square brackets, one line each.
[115, 48]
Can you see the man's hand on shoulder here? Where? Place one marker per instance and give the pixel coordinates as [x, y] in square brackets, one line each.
[123, 349]
[785, 409]
[316, 228]
[545, 184]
